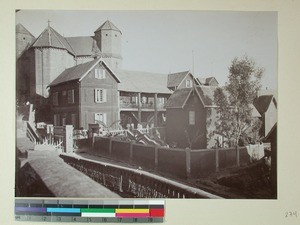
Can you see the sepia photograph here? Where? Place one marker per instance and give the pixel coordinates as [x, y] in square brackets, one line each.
[146, 104]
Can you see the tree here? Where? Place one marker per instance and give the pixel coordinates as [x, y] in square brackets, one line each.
[234, 101]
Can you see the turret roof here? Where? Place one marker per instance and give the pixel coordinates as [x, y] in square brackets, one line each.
[107, 25]
[51, 38]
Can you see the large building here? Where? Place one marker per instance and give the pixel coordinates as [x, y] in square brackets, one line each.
[48, 67]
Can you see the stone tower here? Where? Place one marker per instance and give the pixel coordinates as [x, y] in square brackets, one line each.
[109, 41]
[52, 55]
[23, 39]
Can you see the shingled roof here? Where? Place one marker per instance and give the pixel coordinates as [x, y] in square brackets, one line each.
[174, 79]
[79, 71]
[263, 102]
[206, 94]
[83, 46]
[144, 82]
[51, 38]
[179, 98]
[107, 25]
[206, 81]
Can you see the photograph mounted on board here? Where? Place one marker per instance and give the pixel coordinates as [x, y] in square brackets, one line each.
[146, 104]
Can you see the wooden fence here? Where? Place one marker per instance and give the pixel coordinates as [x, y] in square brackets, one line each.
[175, 162]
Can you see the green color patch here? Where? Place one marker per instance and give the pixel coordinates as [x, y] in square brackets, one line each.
[97, 210]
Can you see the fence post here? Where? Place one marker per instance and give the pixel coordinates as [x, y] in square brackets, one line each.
[188, 162]
[217, 160]
[237, 156]
[109, 146]
[131, 153]
[93, 141]
[156, 157]
[68, 138]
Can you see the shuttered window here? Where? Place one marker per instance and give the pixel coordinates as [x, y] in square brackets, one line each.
[55, 98]
[71, 98]
[100, 95]
[100, 117]
[99, 73]
[56, 120]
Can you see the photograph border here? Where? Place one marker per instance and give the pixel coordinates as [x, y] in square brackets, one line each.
[204, 211]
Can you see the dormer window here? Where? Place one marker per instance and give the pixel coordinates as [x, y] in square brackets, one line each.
[99, 73]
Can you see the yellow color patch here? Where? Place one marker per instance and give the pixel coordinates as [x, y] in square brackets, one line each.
[132, 210]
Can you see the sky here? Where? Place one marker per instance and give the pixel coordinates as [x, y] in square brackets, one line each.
[204, 42]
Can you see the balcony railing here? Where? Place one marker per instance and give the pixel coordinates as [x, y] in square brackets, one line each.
[134, 105]
[128, 105]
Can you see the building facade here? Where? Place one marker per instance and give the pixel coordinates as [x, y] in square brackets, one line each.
[191, 117]
[85, 94]
[48, 64]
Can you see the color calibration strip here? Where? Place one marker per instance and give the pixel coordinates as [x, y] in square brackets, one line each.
[97, 211]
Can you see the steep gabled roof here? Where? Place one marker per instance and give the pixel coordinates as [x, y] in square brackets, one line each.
[174, 79]
[107, 25]
[144, 82]
[83, 46]
[51, 38]
[206, 81]
[271, 134]
[178, 98]
[79, 72]
[263, 102]
[22, 30]
[255, 112]
[206, 94]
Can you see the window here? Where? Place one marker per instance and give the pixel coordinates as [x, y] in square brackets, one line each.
[191, 117]
[99, 73]
[73, 120]
[56, 120]
[161, 100]
[188, 83]
[100, 95]
[71, 98]
[100, 117]
[55, 98]
[64, 93]
[64, 121]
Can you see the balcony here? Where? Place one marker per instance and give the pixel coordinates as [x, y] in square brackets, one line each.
[128, 105]
[146, 106]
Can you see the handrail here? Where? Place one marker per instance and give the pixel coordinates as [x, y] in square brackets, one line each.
[32, 133]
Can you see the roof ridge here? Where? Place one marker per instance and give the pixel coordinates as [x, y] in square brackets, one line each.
[187, 71]
[37, 39]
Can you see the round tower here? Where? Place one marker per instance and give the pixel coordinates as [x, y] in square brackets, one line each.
[23, 39]
[109, 41]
